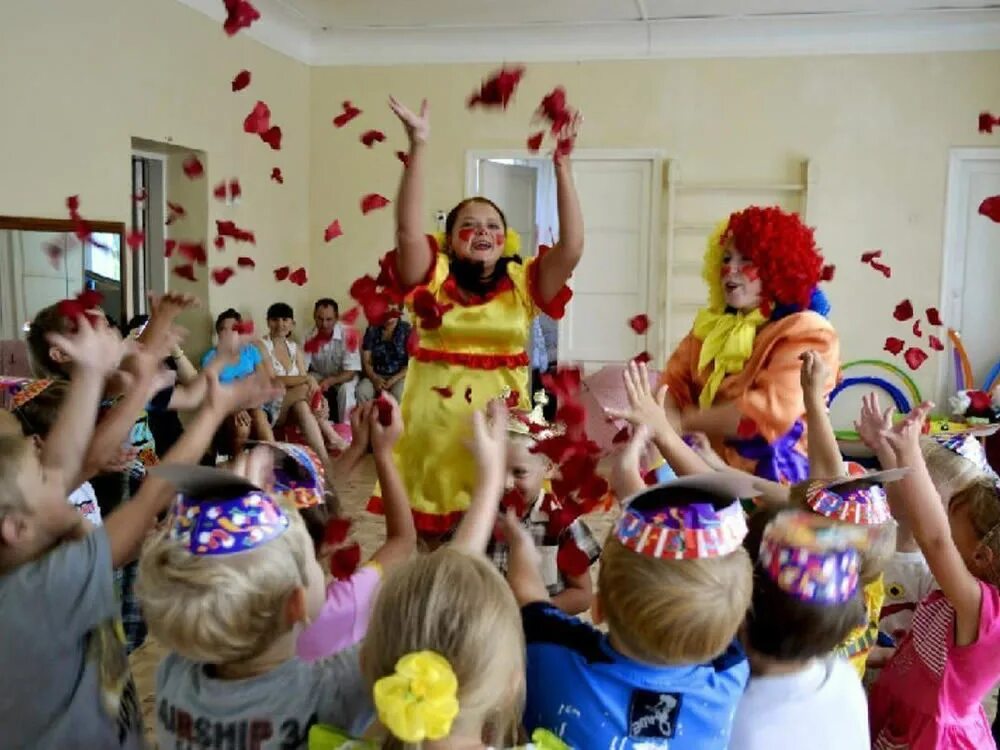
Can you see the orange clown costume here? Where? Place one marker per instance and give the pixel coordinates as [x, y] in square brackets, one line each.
[751, 358]
[465, 351]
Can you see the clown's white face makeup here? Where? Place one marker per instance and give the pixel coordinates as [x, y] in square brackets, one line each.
[740, 281]
[478, 234]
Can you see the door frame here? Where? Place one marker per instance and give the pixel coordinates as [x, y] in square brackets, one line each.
[657, 268]
[953, 250]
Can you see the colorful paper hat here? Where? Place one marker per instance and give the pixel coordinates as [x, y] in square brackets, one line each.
[695, 517]
[299, 478]
[968, 447]
[856, 498]
[220, 513]
[533, 423]
[27, 390]
[811, 558]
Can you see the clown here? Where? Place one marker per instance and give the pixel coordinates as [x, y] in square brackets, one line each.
[473, 300]
[735, 376]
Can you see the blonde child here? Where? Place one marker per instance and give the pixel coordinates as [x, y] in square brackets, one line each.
[444, 654]
[525, 492]
[806, 600]
[929, 694]
[60, 639]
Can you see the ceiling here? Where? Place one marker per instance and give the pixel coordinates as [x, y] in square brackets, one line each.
[330, 32]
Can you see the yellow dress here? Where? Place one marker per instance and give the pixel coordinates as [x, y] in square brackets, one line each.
[479, 351]
[860, 641]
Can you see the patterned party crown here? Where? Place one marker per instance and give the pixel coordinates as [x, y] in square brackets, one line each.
[696, 517]
[299, 478]
[811, 558]
[220, 513]
[532, 423]
[968, 447]
[857, 498]
[23, 392]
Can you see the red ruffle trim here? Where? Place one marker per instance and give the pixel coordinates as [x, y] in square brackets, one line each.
[556, 307]
[426, 523]
[389, 270]
[464, 298]
[473, 361]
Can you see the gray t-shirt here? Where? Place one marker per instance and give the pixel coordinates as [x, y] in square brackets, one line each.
[62, 653]
[272, 711]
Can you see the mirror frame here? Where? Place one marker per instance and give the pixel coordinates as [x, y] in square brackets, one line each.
[33, 224]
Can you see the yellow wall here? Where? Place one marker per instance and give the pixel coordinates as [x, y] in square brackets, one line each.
[877, 128]
[79, 80]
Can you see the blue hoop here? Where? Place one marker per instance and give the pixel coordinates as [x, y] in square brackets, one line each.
[897, 396]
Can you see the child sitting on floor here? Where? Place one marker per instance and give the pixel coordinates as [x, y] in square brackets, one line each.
[525, 493]
[805, 602]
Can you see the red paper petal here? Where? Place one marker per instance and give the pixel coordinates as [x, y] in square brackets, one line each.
[219, 242]
[371, 137]
[403, 157]
[193, 168]
[351, 316]
[442, 391]
[571, 560]
[564, 383]
[513, 499]
[226, 228]
[642, 358]
[241, 81]
[140, 196]
[245, 262]
[555, 109]
[363, 288]
[259, 119]
[298, 277]
[384, 411]
[272, 137]
[235, 191]
[935, 343]
[336, 531]
[352, 340]
[54, 253]
[882, 268]
[135, 239]
[894, 345]
[870, 256]
[344, 561]
[987, 121]
[468, 394]
[990, 208]
[916, 328]
[277, 176]
[915, 357]
[827, 272]
[282, 273]
[219, 191]
[903, 311]
[73, 204]
[240, 14]
[176, 208]
[933, 316]
[535, 141]
[639, 323]
[349, 113]
[372, 202]
[221, 275]
[746, 428]
[168, 248]
[622, 436]
[333, 231]
[244, 327]
[193, 251]
[512, 400]
[498, 89]
[185, 271]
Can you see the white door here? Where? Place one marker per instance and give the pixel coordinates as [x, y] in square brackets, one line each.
[513, 187]
[613, 281]
[972, 262]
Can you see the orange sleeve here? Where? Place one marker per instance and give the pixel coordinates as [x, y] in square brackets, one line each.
[678, 374]
[774, 399]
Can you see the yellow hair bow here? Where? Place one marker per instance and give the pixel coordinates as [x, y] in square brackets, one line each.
[511, 245]
[419, 701]
[543, 739]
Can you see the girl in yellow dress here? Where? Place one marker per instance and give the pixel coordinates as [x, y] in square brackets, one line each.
[472, 300]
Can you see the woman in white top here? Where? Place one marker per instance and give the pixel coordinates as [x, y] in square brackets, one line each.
[284, 359]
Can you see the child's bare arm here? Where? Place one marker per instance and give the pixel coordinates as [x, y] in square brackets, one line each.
[95, 350]
[577, 596]
[128, 525]
[872, 425]
[524, 573]
[626, 479]
[490, 449]
[915, 499]
[400, 534]
[825, 461]
[414, 255]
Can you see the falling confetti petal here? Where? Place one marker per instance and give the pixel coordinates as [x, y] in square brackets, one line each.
[298, 277]
[384, 411]
[935, 343]
[352, 340]
[240, 14]
[333, 231]
[642, 358]
[245, 262]
[350, 317]
[535, 141]
[282, 273]
[915, 357]
[241, 81]
[185, 271]
[221, 275]
[639, 323]
[498, 89]
[272, 137]
[193, 251]
[135, 240]
[403, 157]
[168, 248]
[870, 256]
[882, 268]
[903, 311]
[571, 560]
[277, 176]
[344, 561]
[371, 137]
[894, 345]
[990, 208]
[219, 242]
[336, 531]
[349, 113]
[827, 272]
[987, 121]
[259, 119]
[468, 395]
[244, 327]
[193, 168]
[916, 328]
[373, 202]
[933, 316]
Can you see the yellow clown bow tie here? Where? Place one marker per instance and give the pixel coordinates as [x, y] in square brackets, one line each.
[726, 343]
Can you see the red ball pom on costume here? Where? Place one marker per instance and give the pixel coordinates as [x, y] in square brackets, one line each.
[783, 249]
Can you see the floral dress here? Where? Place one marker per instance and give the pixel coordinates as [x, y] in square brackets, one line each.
[465, 350]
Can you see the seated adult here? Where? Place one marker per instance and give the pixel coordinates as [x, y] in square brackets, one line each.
[384, 358]
[336, 368]
[248, 423]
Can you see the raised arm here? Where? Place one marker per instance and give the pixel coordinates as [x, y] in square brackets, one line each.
[915, 500]
[557, 265]
[490, 448]
[825, 461]
[524, 562]
[400, 533]
[414, 256]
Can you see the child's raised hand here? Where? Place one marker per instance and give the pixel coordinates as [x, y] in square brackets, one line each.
[94, 346]
[418, 126]
[644, 407]
[904, 437]
[873, 423]
[360, 424]
[489, 438]
[248, 393]
[626, 475]
[813, 375]
[384, 437]
[170, 304]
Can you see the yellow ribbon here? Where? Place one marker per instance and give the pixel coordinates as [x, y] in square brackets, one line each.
[419, 701]
[727, 343]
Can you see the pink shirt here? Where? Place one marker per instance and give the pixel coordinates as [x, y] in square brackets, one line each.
[344, 618]
[929, 695]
